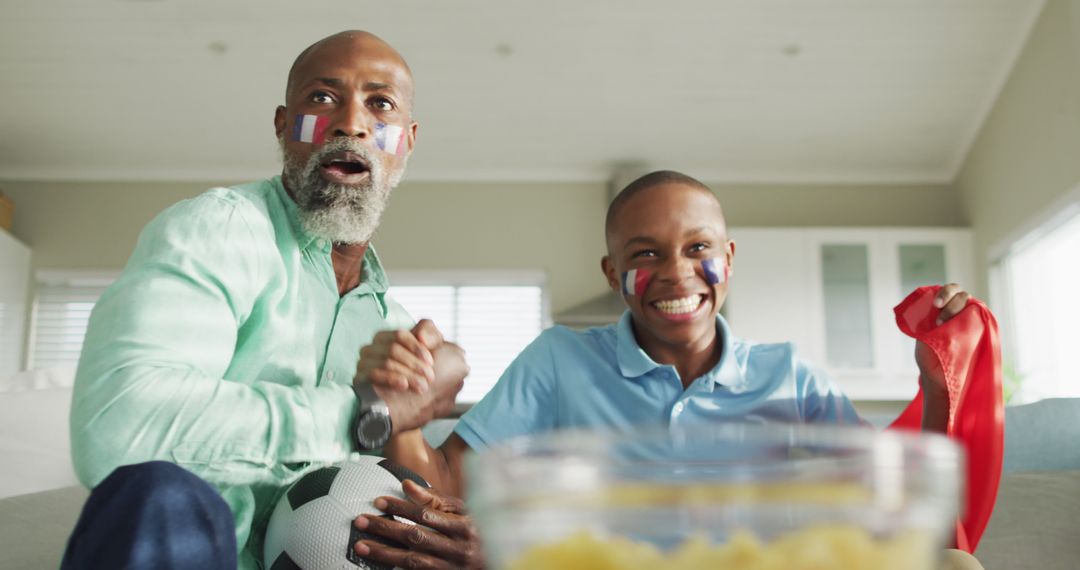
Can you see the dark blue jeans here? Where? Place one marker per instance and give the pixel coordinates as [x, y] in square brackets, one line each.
[153, 515]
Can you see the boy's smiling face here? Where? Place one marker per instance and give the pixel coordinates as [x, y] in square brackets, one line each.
[668, 229]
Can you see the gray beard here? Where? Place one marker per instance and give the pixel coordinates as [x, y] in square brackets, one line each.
[339, 213]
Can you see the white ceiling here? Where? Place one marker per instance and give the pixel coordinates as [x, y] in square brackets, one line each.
[727, 90]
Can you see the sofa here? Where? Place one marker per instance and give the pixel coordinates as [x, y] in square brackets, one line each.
[1036, 521]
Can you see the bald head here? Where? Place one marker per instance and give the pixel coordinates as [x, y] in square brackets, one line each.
[350, 43]
[651, 181]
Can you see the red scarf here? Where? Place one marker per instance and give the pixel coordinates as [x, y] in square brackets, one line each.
[967, 347]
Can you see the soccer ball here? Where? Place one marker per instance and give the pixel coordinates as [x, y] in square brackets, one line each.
[311, 527]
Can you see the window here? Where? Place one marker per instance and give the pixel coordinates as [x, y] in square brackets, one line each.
[62, 304]
[1035, 283]
[845, 276]
[493, 315]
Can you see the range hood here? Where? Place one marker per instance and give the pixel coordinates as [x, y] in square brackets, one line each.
[607, 308]
[596, 312]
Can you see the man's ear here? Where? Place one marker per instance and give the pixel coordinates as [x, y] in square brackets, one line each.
[279, 120]
[411, 139]
[729, 252]
[608, 268]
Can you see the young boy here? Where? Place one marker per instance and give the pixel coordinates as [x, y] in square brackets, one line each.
[671, 358]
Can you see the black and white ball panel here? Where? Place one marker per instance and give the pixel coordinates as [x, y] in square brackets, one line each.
[311, 526]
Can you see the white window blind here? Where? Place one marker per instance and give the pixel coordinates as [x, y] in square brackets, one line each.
[62, 305]
[493, 316]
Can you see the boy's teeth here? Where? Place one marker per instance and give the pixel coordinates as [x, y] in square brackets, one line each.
[679, 306]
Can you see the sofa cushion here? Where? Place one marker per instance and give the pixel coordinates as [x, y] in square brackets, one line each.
[34, 528]
[1034, 524]
[1042, 436]
[34, 441]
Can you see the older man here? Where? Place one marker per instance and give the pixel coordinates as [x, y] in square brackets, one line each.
[229, 344]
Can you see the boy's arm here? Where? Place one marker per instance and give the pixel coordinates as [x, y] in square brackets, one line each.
[420, 360]
[441, 467]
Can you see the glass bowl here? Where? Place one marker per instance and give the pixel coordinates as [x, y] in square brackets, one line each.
[740, 496]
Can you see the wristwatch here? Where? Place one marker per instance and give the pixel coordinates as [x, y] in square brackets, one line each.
[373, 426]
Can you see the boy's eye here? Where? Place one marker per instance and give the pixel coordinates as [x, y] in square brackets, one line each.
[643, 253]
[383, 104]
[321, 97]
[700, 246]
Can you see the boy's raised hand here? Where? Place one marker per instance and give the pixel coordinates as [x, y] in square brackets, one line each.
[417, 361]
[951, 299]
[401, 359]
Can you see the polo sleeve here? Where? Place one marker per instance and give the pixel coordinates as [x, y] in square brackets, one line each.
[522, 402]
[151, 381]
[822, 400]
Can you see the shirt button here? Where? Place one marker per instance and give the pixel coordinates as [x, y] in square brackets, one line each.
[330, 375]
[677, 409]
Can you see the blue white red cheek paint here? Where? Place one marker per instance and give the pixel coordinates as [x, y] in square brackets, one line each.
[635, 281]
[390, 138]
[716, 271]
[310, 128]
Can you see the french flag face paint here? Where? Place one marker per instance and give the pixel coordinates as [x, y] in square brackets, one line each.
[310, 128]
[390, 138]
[635, 281]
[716, 271]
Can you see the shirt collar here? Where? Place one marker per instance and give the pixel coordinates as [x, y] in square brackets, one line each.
[635, 362]
[372, 277]
[373, 280]
[303, 239]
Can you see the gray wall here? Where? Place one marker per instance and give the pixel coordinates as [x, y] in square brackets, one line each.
[1025, 163]
[551, 226]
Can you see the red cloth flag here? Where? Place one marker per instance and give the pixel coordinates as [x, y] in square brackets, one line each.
[970, 354]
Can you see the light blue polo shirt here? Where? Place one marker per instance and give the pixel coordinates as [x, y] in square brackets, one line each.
[600, 377]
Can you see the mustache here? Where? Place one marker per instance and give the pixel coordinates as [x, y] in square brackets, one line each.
[342, 144]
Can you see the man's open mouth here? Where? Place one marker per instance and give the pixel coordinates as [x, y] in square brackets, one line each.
[345, 167]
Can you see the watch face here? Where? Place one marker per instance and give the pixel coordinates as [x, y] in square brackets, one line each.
[373, 430]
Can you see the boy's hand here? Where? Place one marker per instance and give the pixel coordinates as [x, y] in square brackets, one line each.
[450, 372]
[443, 536]
[401, 359]
[416, 372]
[951, 299]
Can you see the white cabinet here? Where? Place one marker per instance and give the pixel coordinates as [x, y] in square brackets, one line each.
[831, 292]
[14, 284]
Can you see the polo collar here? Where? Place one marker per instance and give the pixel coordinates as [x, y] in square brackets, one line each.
[634, 362]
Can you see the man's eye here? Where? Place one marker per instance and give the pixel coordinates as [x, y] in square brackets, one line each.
[383, 104]
[321, 97]
[700, 246]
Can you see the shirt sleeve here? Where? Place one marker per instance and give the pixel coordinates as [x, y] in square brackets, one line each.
[822, 400]
[523, 401]
[151, 381]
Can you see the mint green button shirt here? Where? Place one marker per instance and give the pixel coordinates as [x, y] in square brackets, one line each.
[224, 347]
